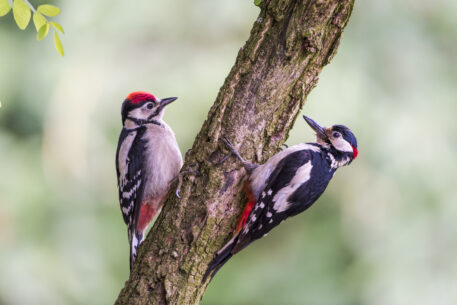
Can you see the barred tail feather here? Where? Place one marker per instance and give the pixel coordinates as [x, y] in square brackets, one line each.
[136, 240]
[221, 257]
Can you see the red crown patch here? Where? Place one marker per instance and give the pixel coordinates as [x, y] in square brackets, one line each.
[140, 96]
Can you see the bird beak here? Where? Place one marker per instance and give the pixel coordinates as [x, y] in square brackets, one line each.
[320, 131]
[164, 102]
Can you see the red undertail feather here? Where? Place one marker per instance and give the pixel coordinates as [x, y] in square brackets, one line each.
[140, 96]
[225, 253]
[247, 209]
[147, 213]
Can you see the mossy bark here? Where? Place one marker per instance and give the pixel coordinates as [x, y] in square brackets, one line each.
[256, 107]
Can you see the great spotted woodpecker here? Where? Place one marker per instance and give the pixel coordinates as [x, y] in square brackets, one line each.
[286, 185]
[148, 159]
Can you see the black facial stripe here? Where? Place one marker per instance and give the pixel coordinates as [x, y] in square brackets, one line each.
[144, 122]
[155, 113]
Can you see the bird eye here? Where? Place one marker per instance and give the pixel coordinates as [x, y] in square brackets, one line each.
[336, 134]
[150, 105]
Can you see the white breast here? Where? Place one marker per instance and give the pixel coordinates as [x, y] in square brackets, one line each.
[163, 159]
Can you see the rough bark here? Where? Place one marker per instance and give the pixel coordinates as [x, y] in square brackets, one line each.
[256, 107]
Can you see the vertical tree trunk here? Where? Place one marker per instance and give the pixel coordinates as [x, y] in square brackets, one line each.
[256, 107]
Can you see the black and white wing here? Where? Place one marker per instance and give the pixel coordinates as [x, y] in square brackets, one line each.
[131, 180]
[129, 165]
[279, 199]
[266, 213]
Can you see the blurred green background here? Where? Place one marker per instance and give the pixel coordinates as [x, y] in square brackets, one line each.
[385, 231]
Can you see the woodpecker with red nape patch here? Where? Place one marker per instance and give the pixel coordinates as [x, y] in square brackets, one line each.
[148, 159]
[286, 185]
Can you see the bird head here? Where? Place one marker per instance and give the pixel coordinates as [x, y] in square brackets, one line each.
[339, 137]
[141, 107]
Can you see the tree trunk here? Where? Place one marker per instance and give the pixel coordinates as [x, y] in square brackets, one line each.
[256, 107]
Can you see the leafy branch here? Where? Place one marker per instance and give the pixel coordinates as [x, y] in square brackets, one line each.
[22, 13]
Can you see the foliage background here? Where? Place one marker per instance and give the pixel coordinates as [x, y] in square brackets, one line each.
[383, 233]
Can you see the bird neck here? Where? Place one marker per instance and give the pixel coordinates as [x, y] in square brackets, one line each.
[131, 123]
[336, 158]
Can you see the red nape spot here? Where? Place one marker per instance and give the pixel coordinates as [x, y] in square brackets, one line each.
[147, 213]
[247, 209]
[355, 152]
[140, 96]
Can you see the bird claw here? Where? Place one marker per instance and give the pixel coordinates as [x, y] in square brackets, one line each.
[249, 167]
[228, 143]
[223, 159]
[232, 149]
[285, 145]
[181, 174]
[178, 188]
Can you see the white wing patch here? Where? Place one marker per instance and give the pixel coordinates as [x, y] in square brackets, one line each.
[260, 175]
[301, 176]
[123, 158]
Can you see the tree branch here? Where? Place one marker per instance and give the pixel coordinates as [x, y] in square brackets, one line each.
[275, 70]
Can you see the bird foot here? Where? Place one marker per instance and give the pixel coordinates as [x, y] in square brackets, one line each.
[180, 176]
[248, 166]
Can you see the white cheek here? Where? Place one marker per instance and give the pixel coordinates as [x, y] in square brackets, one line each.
[341, 144]
[139, 113]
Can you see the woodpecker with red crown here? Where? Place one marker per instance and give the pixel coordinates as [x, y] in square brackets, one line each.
[286, 185]
[148, 159]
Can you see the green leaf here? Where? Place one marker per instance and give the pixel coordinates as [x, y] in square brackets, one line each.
[58, 44]
[49, 10]
[39, 20]
[22, 14]
[4, 7]
[257, 2]
[57, 26]
[43, 31]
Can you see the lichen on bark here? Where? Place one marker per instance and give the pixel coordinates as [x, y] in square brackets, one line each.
[257, 105]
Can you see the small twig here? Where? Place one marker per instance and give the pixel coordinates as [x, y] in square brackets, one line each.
[31, 6]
